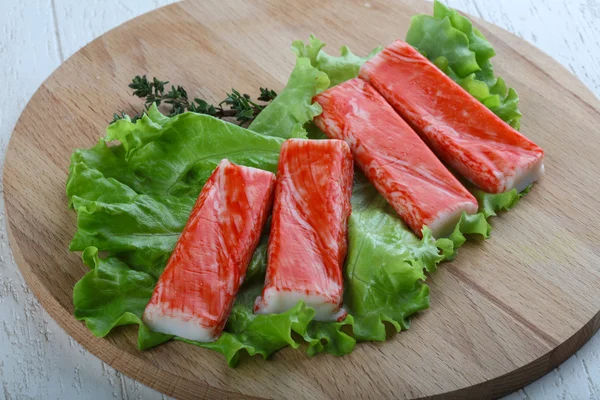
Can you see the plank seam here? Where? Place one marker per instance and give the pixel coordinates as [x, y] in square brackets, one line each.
[61, 55]
[503, 306]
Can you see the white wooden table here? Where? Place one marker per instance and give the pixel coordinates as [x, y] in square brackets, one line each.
[37, 358]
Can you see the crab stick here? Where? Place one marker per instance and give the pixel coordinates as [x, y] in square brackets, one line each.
[197, 289]
[308, 241]
[393, 157]
[464, 133]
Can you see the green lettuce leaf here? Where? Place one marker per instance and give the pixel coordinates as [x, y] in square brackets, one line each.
[177, 156]
[450, 41]
[258, 334]
[477, 224]
[313, 132]
[329, 337]
[134, 198]
[293, 107]
[112, 294]
[490, 204]
[113, 217]
[338, 69]
[258, 264]
[385, 266]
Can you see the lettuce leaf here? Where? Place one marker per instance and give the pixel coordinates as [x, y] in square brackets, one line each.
[384, 283]
[489, 205]
[258, 334]
[112, 294]
[112, 215]
[258, 264]
[293, 107]
[175, 157]
[329, 337]
[385, 264]
[338, 69]
[450, 41]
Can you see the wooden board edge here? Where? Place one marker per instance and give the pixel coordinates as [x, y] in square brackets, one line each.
[521, 377]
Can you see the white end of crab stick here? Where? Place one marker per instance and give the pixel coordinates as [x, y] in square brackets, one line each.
[275, 301]
[525, 176]
[179, 323]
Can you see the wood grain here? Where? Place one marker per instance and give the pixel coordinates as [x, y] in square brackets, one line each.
[504, 313]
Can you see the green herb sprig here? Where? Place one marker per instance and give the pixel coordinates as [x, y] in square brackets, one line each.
[240, 106]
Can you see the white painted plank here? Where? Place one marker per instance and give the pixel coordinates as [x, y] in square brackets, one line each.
[29, 53]
[37, 359]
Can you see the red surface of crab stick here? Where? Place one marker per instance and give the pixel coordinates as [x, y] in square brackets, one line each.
[461, 131]
[308, 241]
[197, 289]
[393, 157]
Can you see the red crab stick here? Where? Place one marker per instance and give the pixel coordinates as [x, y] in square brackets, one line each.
[393, 157]
[308, 240]
[196, 291]
[461, 131]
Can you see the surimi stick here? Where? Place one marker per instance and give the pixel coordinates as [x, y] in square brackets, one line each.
[308, 241]
[461, 131]
[197, 289]
[393, 157]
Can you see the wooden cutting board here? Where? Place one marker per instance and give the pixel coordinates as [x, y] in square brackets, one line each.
[504, 313]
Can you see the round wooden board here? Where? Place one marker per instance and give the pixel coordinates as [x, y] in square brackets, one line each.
[506, 312]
